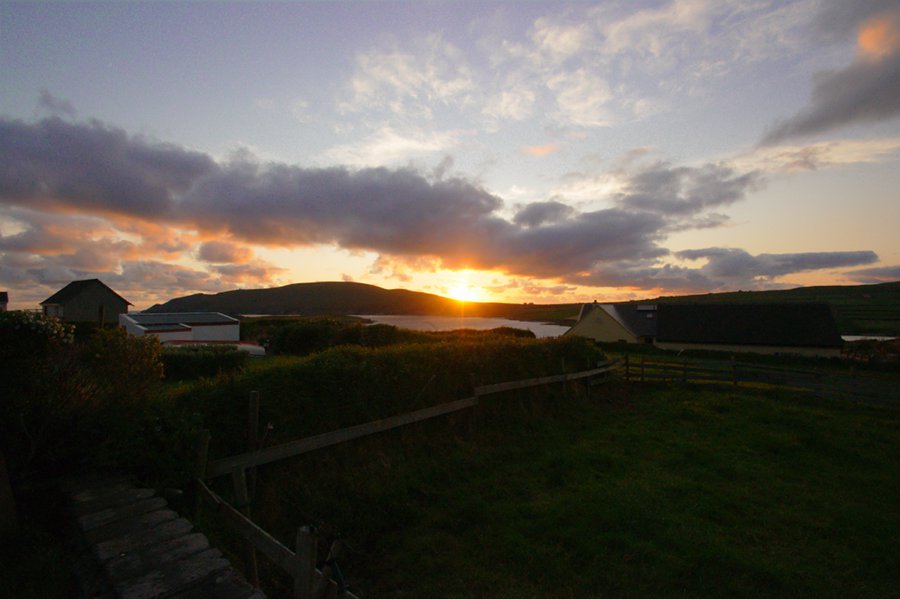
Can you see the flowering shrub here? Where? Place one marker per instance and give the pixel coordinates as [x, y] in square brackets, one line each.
[32, 328]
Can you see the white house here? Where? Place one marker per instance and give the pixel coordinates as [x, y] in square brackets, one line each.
[183, 326]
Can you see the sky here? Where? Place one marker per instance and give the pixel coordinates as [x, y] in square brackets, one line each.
[542, 152]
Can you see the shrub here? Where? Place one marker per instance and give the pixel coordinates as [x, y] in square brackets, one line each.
[185, 363]
[68, 404]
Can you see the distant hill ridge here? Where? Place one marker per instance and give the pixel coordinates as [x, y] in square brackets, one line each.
[859, 309]
[314, 299]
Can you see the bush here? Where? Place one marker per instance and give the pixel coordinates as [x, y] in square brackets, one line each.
[185, 363]
[348, 385]
[67, 404]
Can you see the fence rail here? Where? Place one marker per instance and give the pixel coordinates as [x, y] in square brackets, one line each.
[819, 383]
[309, 582]
[300, 564]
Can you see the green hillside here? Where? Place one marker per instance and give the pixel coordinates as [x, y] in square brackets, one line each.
[858, 309]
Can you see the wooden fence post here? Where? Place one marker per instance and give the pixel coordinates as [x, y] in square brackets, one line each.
[253, 437]
[201, 458]
[9, 521]
[305, 565]
[242, 504]
[565, 386]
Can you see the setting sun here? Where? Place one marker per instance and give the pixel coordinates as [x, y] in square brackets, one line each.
[464, 293]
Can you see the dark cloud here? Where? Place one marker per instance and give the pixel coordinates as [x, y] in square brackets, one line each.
[684, 191]
[539, 213]
[92, 167]
[224, 252]
[725, 268]
[126, 195]
[725, 264]
[864, 91]
[55, 106]
[883, 274]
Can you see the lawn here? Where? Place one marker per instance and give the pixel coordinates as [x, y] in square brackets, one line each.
[643, 492]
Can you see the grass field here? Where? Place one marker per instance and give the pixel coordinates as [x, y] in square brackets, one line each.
[654, 492]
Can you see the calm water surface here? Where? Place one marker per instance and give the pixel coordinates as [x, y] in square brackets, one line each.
[451, 323]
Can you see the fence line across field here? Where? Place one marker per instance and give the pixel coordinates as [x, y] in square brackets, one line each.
[300, 564]
[308, 582]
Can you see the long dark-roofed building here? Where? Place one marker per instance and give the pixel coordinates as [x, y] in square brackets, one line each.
[795, 328]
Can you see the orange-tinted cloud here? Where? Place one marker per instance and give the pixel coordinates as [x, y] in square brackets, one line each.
[880, 36]
[544, 150]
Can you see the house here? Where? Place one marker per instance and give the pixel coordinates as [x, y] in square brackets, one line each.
[609, 323]
[798, 328]
[86, 301]
[4, 300]
[183, 327]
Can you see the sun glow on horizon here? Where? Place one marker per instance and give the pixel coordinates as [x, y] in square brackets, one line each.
[463, 291]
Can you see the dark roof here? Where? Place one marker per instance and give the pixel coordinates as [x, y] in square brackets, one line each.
[795, 325]
[640, 319]
[76, 287]
[148, 319]
[4, 296]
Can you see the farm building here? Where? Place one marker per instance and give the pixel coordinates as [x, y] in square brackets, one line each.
[183, 326]
[86, 301]
[798, 328]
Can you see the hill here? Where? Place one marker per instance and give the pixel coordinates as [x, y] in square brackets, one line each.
[858, 309]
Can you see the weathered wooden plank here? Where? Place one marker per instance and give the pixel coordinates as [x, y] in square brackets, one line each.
[140, 562]
[103, 517]
[120, 528]
[279, 452]
[112, 548]
[170, 578]
[224, 585]
[115, 498]
[523, 384]
[263, 541]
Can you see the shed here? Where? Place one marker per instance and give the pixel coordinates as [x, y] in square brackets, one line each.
[610, 323]
[89, 300]
[183, 326]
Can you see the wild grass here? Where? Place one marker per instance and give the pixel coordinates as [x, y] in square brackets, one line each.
[651, 492]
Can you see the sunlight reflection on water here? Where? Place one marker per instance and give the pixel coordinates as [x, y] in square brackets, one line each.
[451, 323]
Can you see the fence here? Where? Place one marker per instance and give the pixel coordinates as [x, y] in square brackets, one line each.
[300, 563]
[819, 383]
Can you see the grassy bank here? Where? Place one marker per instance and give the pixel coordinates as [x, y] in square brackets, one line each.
[683, 492]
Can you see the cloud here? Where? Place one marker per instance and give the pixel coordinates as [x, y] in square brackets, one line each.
[725, 269]
[686, 190]
[224, 252]
[539, 213]
[409, 82]
[881, 274]
[544, 150]
[92, 166]
[861, 93]
[54, 105]
[184, 205]
[793, 158]
[388, 146]
[729, 263]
